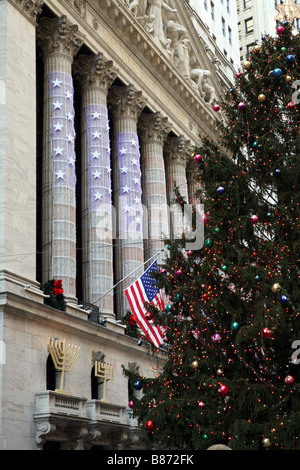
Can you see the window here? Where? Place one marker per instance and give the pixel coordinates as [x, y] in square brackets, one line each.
[212, 6]
[228, 6]
[239, 29]
[223, 27]
[96, 386]
[248, 4]
[205, 4]
[249, 48]
[249, 26]
[229, 35]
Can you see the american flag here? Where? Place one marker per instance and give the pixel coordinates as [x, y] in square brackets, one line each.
[141, 291]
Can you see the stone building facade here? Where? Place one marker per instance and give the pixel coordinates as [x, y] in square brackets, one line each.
[101, 104]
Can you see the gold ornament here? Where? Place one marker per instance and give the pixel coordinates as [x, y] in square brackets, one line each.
[194, 364]
[246, 64]
[261, 97]
[288, 78]
[219, 372]
[257, 48]
[275, 287]
[266, 442]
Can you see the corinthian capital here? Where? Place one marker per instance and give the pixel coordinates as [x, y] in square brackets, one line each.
[31, 8]
[94, 71]
[126, 102]
[177, 150]
[56, 36]
[154, 127]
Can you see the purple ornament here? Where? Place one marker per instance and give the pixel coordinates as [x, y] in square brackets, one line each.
[216, 107]
[178, 273]
[216, 338]
[130, 404]
[201, 405]
[241, 105]
[198, 158]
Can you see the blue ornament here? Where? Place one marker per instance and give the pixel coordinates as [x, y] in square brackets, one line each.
[137, 385]
[263, 38]
[283, 299]
[277, 72]
[286, 23]
[277, 172]
[257, 278]
[234, 325]
[220, 190]
[290, 59]
[168, 308]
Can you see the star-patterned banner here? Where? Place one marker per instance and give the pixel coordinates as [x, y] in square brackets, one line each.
[62, 129]
[63, 178]
[98, 156]
[130, 194]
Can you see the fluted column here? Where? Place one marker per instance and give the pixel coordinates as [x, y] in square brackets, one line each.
[95, 75]
[192, 183]
[59, 43]
[126, 105]
[176, 153]
[153, 130]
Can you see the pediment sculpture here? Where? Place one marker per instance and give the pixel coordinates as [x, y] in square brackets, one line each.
[160, 20]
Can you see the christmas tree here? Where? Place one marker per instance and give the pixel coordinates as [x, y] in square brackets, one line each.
[231, 371]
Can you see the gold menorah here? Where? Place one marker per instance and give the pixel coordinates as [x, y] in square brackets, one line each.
[106, 372]
[64, 357]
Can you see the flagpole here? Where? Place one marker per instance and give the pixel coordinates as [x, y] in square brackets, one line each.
[128, 275]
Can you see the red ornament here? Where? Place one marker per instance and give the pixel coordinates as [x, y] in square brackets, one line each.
[201, 405]
[266, 333]
[216, 107]
[149, 425]
[289, 379]
[198, 158]
[57, 289]
[238, 75]
[291, 105]
[130, 404]
[223, 390]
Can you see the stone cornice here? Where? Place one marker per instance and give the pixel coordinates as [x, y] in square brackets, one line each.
[146, 48]
[29, 8]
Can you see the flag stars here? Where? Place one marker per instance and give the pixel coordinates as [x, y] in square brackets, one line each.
[98, 196]
[57, 104]
[97, 174]
[58, 127]
[60, 175]
[123, 151]
[96, 115]
[58, 150]
[56, 83]
[124, 169]
[96, 135]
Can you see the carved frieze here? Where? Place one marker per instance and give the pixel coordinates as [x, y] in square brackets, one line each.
[31, 8]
